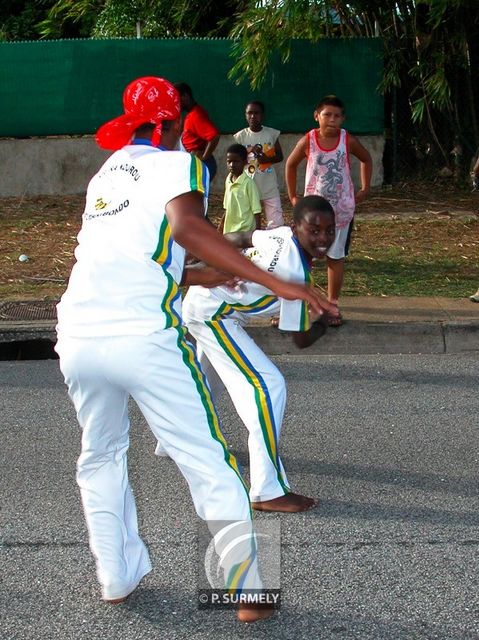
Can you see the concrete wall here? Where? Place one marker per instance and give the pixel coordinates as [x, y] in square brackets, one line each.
[63, 166]
[374, 144]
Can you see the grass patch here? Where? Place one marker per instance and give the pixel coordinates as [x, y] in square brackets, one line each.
[414, 257]
[392, 254]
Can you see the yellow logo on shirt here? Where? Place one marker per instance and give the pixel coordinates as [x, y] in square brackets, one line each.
[100, 204]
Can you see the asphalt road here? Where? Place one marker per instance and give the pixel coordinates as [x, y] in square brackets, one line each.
[390, 444]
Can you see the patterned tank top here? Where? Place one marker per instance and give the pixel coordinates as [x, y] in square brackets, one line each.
[328, 175]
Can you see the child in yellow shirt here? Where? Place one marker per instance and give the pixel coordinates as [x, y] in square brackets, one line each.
[241, 200]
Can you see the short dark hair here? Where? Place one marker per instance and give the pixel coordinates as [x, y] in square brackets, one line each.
[258, 103]
[311, 203]
[330, 101]
[183, 89]
[239, 149]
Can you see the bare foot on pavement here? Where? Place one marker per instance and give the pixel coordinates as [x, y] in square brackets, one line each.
[290, 503]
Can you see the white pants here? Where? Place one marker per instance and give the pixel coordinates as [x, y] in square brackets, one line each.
[161, 373]
[258, 392]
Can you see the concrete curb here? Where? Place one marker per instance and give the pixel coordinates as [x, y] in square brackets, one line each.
[354, 337]
[358, 337]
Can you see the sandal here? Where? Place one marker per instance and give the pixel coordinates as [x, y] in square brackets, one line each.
[335, 321]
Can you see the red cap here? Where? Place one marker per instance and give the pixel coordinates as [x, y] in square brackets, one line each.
[148, 99]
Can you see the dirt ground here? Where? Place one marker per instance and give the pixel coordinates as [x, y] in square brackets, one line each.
[45, 229]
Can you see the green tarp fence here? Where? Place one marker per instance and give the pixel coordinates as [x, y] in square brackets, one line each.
[70, 87]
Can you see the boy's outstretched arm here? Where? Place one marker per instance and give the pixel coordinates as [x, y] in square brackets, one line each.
[186, 217]
[366, 168]
[297, 155]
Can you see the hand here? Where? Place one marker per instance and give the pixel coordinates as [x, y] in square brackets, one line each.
[236, 284]
[294, 199]
[257, 150]
[361, 195]
[316, 300]
[314, 316]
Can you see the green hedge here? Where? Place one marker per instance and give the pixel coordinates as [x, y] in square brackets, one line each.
[68, 87]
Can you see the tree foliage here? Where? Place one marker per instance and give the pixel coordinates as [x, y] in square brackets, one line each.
[19, 20]
[431, 47]
[431, 52]
[130, 18]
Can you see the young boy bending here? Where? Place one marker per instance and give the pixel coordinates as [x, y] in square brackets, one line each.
[216, 317]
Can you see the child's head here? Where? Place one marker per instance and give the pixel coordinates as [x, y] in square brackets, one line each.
[329, 114]
[186, 95]
[236, 159]
[330, 101]
[313, 225]
[254, 113]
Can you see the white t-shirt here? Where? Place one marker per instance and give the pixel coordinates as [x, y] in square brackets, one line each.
[264, 175]
[128, 267]
[276, 251]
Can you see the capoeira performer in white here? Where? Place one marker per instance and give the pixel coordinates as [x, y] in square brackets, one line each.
[215, 317]
[120, 333]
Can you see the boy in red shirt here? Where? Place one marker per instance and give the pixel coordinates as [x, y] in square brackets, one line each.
[200, 136]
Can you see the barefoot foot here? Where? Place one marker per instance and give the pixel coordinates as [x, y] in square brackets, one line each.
[115, 600]
[253, 613]
[119, 600]
[290, 503]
